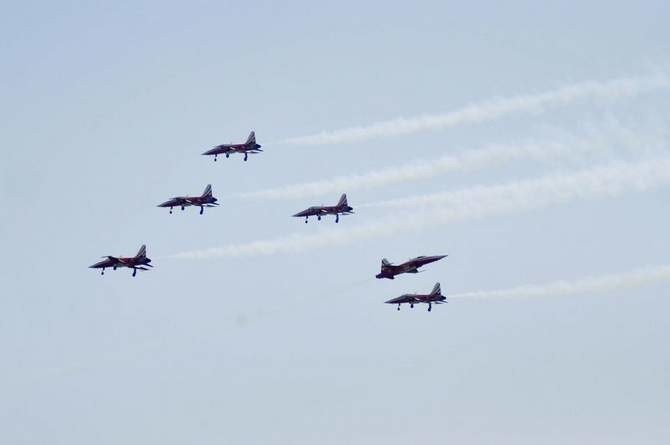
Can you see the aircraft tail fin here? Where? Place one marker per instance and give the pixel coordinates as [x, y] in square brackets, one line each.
[385, 262]
[436, 290]
[207, 191]
[343, 200]
[252, 138]
[142, 252]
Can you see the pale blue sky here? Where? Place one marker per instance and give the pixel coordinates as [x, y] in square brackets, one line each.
[105, 111]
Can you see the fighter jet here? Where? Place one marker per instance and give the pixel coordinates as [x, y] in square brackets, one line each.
[341, 208]
[435, 296]
[202, 201]
[139, 261]
[250, 146]
[410, 266]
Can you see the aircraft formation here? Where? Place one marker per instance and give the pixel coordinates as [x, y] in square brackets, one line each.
[141, 262]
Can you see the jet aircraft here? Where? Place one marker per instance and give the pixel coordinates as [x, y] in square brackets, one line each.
[434, 297]
[410, 266]
[202, 201]
[250, 146]
[139, 261]
[341, 208]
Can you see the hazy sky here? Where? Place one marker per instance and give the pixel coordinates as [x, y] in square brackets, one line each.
[269, 330]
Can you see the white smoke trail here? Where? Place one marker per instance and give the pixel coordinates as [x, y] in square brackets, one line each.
[598, 142]
[490, 110]
[469, 160]
[468, 204]
[600, 181]
[598, 284]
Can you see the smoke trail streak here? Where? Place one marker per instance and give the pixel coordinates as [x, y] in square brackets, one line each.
[599, 181]
[599, 284]
[418, 170]
[496, 154]
[468, 204]
[490, 110]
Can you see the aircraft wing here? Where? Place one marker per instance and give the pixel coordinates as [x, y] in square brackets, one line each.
[126, 262]
[403, 299]
[312, 211]
[219, 149]
[109, 261]
[174, 202]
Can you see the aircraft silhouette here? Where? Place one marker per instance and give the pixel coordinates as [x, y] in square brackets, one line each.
[410, 266]
[434, 297]
[341, 208]
[137, 262]
[250, 146]
[202, 201]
